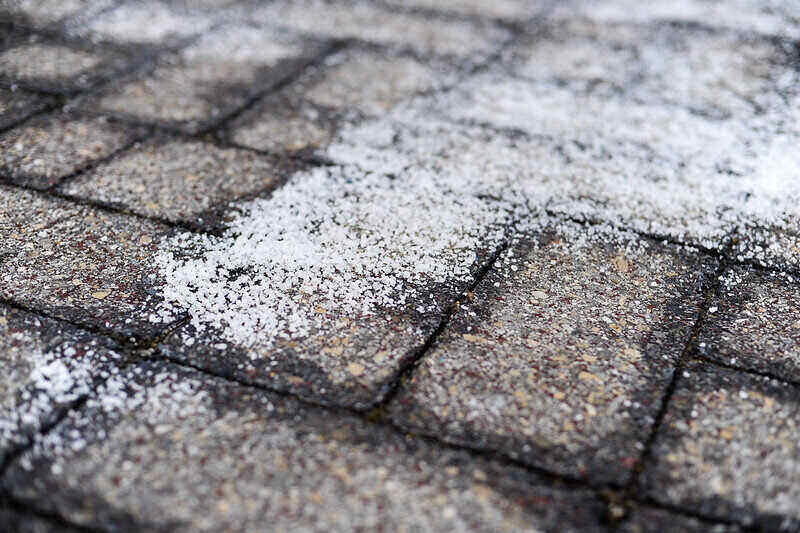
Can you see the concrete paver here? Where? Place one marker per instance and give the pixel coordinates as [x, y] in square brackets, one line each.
[729, 449]
[755, 323]
[16, 105]
[41, 152]
[76, 262]
[210, 78]
[562, 354]
[45, 366]
[177, 179]
[217, 456]
[648, 520]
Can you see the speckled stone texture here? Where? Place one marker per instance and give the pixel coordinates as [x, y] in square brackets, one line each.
[755, 323]
[30, 61]
[349, 86]
[76, 262]
[210, 78]
[44, 150]
[367, 21]
[344, 362]
[45, 366]
[214, 456]
[178, 180]
[512, 10]
[16, 105]
[729, 448]
[44, 13]
[562, 354]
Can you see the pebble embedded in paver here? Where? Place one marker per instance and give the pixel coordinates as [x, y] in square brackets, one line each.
[77, 263]
[755, 323]
[561, 355]
[729, 449]
[347, 87]
[45, 365]
[177, 179]
[210, 78]
[46, 149]
[179, 449]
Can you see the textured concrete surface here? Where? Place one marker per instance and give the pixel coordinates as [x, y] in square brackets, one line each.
[350, 265]
[561, 354]
[729, 448]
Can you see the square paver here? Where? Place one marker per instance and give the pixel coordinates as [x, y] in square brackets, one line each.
[562, 354]
[46, 365]
[729, 448]
[145, 22]
[209, 79]
[78, 263]
[173, 449]
[58, 67]
[367, 22]
[176, 179]
[518, 10]
[42, 13]
[17, 105]
[44, 150]
[349, 86]
[755, 323]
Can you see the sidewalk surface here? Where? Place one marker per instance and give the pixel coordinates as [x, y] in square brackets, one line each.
[399, 265]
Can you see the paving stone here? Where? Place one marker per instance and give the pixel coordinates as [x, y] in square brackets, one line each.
[77, 263]
[772, 18]
[177, 180]
[776, 246]
[44, 150]
[728, 448]
[16, 105]
[185, 452]
[348, 86]
[648, 520]
[210, 78]
[713, 72]
[365, 21]
[45, 366]
[755, 323]
[41, 13]
[505, 9]
[144, 22]
[563, 353]
[56, 67]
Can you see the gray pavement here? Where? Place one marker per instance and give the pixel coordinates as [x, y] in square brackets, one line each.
[399, 265]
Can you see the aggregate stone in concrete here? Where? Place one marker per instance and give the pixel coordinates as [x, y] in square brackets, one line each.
[76, 262]
[365, 21]
[649, 520]
[41, 152]
[754, 322]
[562, 354]
[16, 105]
[176, 179]
[45, 365]
[348, 86]
[729, 448]
[179, 451]
[212, 77]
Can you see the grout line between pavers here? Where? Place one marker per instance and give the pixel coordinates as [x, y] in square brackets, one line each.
[619, 512]
[8, 501]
